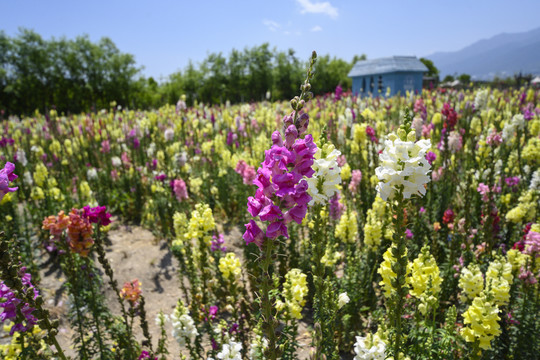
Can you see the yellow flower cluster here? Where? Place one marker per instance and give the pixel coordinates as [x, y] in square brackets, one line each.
[374, 223]
[359, 138]
[347, 229]
[481, 318]
[40, 175]
[200, 224]
[180, 224]
[517, 259]
[295, 293]
[526, 209]
[471, 281]
[330, 257]
[230, 267]
[531, 151]
[498, 281]
[385, 270]
[425, 279]
[85, 193]
[346, 172]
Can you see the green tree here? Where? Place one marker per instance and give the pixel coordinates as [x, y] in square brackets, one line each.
[432, 70]
[448, 78]
[465, 79]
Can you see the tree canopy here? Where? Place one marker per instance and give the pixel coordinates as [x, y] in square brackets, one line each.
[75, 75]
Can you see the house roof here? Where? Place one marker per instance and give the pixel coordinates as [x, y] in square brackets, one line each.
[387, 65]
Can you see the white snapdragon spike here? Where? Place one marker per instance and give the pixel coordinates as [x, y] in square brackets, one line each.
[27, 178]
[159, 318]
[21, 157]
[328, 171]
[183, 327]
[510, 127]
[92, 174]
[116, 162]
[481, 99]
[403, 163]
[151, 150]
[370, 347]
[535, 181]
[232, 351]
[168, 134]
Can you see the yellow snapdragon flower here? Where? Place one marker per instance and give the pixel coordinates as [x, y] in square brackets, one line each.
[481, 320]
[230, 267]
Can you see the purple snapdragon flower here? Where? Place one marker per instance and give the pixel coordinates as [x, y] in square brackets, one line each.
[512, 181]
[10, 303]
[217, 243]
[7, 176]
[282, 195]
[97, 215]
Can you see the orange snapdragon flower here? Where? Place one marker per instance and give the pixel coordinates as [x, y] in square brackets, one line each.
[79, 233]
[131, 291]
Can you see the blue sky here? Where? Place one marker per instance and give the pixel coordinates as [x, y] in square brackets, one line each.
[165, 35]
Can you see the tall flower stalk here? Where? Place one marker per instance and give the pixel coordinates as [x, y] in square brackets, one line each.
[403, 174]
[281, 198]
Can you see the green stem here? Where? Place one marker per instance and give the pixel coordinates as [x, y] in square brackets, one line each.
[269, 322]
[400, 268]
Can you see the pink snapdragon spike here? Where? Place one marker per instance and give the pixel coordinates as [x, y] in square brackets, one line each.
[281, 195]
[180, 189]
[483, 189]
[7, 176]
[356, 178]
[532, 244]
[246, 171]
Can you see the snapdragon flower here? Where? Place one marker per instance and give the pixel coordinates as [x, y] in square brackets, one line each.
[347, 228]
[481, 322]
[403, 165]
[183, 325]
[7, 176]
[370, 347]
[425, 280]
[10, 303]
[282, 195]
[343, 299]
[131, 291]
[230, 267]
[230, 351]
[471, 281]
[295, 292]
[323, 183]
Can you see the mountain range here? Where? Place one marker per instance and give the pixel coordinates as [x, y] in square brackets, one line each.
[502, 55]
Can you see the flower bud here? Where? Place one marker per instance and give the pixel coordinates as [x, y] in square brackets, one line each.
[294, 103]
[402, 134]
[411, 136]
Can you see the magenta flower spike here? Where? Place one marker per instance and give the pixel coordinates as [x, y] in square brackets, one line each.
[7, 176]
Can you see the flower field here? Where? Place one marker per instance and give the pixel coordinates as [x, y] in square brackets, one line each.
[403, 227]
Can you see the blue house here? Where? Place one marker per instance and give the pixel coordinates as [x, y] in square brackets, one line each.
[399, 73]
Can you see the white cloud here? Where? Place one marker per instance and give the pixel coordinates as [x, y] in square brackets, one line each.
[271, 25]
[316, 28]
[318, 8]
